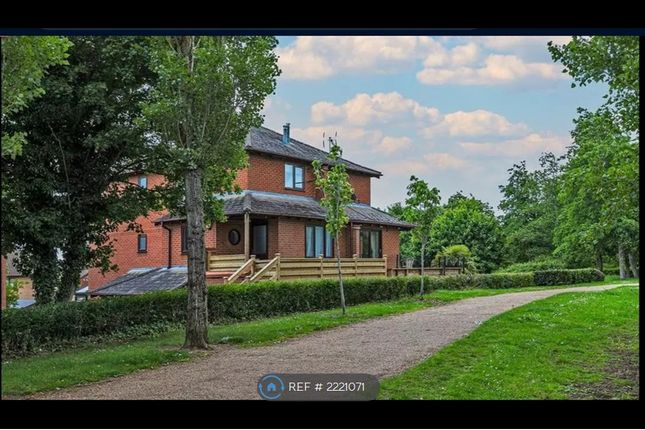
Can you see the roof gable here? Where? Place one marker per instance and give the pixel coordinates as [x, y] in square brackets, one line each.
[267, 141]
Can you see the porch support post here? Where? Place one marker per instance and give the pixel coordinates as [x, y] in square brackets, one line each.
[247, 236]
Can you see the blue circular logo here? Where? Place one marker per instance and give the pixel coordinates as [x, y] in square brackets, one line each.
[270, 387]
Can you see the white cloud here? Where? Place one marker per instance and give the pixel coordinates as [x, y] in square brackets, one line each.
[475, 123]
[391, 145]
[364, 109]
[317, 57]
[514, 43]
[531, 144]
[495, 70]
[445, 161]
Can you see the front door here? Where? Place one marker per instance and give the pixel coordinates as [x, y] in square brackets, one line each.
[259, 239]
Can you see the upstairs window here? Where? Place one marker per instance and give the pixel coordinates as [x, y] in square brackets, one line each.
[294, 177]
[142, 243]
[143, 181]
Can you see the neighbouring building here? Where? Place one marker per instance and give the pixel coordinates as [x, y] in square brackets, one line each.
[278, 211]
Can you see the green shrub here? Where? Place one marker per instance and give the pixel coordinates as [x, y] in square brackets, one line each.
[535, 265]
[48, 327]
[564, 277]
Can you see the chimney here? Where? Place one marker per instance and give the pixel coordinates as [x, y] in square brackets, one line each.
[285, 133]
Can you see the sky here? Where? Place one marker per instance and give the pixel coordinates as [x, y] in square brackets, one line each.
[456, 111]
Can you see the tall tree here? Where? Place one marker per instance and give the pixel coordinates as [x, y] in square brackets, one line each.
[25, 60]
[530, 209]
[605, 154]
[337, 191]
[422, 207]
[69, 188]
[209, 94]
[471, 222]
[600, 192]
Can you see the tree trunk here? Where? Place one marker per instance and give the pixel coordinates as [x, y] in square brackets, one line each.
[599, 262]
[633, 264]
[621, 262]
[70, 275]
[340, 275]
[45, 277]
[423, 250]
[197, 317]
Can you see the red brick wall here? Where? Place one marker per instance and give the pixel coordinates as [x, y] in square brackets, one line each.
[222, 245]
[126, 255]
[267, 174]
[390, 245]
[361, 185]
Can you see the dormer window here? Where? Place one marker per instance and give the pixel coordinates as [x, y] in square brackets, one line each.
[143, 181]
[294, 177]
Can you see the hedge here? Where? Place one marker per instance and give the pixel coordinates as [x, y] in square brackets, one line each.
[564, 277]
[534, 265]
[47, 327]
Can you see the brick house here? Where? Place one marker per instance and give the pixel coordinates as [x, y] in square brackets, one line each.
[278, 211]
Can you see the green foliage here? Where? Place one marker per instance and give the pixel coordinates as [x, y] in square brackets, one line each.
[25, 60]
[422, 206]
[457, 255]
[530, 209]
[13, 292]
[544, 263]
[69, 188]
[46, 327]
[565, 277]
[613, 60]
[202, 114]
[471, 222]
[336, 189]
[600, 192]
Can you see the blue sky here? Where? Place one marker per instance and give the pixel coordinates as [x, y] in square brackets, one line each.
[454, 111]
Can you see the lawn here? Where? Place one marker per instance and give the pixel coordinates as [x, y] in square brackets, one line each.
[570, 346]
[91, 364]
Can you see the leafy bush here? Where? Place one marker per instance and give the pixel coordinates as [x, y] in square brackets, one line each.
[564, 277]
[49, 327]
[532, 266]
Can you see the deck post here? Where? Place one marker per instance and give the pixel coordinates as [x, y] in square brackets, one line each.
[247, 233]
[322, 271]
[277, 267]
[385, 264]
[355, 265]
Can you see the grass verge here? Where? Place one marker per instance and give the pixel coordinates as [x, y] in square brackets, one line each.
[568, 346]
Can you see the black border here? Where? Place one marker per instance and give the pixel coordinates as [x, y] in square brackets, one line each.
[544, 19]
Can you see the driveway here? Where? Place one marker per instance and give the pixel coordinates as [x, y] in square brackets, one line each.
[382, 347]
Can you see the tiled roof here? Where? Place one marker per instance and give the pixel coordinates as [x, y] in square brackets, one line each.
[139, 281]
[276, 204]
[270, 142]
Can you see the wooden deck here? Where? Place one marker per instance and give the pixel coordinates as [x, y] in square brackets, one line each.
[234, 268]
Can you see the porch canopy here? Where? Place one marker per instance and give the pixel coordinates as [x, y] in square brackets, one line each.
[277, 204]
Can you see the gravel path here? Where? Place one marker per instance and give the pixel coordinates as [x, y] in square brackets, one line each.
[383, 347]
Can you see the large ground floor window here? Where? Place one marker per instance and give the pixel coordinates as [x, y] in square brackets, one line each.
[370, 243]
[318, 242]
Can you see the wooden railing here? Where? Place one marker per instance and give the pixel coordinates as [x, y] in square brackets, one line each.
[294, 268]
[428, 271]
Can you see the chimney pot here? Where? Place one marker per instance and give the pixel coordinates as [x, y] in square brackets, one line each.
[285, 133]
